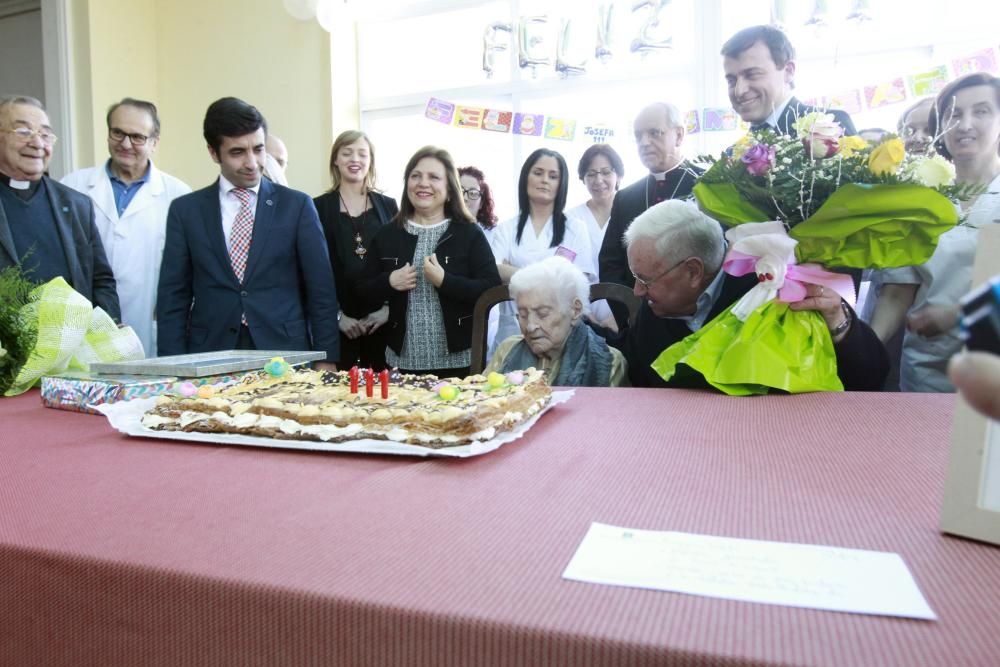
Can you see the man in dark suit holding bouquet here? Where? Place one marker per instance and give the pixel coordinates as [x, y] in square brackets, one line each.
[760, 73]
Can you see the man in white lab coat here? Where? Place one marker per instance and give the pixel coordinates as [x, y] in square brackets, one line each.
[131, 197]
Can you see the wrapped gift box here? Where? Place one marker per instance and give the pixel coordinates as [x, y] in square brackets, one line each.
[79, 391]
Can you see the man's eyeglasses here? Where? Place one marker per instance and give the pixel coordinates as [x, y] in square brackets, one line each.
[593, 174]
[24, 135]
[647, 282]
[119, 136]
[471, 194]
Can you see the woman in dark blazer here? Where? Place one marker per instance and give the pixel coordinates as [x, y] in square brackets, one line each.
[433, 263]
[351, 213]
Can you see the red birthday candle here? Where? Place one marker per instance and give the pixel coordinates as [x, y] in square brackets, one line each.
[353, 374]
[369, 382]
[384, 381]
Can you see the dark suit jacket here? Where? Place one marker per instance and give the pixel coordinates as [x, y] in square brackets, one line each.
[90, 272]
[862, 362]
[287, 292]
[469, 270]
[796, 109]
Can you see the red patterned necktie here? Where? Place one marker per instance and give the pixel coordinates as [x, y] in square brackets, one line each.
[239, 238]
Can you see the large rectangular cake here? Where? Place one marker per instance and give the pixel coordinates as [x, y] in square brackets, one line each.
[323, 405]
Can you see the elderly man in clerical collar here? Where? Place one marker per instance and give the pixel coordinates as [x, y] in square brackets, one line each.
[675, 255]
[46, 228]
[659, 135]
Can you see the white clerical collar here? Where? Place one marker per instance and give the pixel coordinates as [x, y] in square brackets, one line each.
[20, 185]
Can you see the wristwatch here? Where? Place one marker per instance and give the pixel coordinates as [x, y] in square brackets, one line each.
[846, 324]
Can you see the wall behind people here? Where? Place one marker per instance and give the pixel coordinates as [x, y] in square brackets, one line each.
[184, 54]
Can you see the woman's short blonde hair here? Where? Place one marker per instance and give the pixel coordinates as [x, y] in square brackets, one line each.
[558, 276]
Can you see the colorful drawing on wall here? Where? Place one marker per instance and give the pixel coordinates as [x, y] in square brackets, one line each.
[563, 129]
[497, 121]
[848, 100]
[887, 92]
[981, 61]
[599, 134]
[469, 117]
[439, 110]
[719, 119]
[529, 124]
[930, 82]
[692, 122]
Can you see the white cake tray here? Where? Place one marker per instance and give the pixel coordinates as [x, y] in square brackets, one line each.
[126, 416]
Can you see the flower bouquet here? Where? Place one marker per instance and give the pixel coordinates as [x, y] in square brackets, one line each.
[47, 329]
[832, 201]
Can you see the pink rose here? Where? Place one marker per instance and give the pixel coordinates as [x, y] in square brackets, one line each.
[822, 137]
[759, 159]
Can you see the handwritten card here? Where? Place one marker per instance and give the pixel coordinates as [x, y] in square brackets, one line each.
[796, 575]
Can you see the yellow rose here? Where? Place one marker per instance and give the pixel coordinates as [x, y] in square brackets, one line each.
[742, 146]
[886, 157]
[851, 145]
[933, 171]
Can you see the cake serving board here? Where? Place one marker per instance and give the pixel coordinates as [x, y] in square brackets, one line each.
[126, 417]
[222, 362]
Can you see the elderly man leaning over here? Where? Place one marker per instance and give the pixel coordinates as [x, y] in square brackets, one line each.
[675, 254]
[552, 296]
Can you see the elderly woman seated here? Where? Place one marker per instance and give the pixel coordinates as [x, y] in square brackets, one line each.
[552, 297]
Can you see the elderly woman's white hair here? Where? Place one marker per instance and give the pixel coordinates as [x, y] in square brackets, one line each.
[680, 230]
[558, 275]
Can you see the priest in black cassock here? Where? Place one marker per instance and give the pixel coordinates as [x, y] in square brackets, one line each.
[659, 133]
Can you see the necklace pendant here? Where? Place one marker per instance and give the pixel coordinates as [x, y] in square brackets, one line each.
[360, 251]
[357, 238]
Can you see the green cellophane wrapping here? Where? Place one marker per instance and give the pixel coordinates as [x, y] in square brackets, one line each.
[776, 348]
[72, 334]
[860, 226]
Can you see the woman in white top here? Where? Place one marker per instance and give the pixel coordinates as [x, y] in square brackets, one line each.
[966, 116]
[601, 169]
[541, 229]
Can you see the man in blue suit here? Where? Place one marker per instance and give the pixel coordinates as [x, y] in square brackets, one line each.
[245, 264]
[759, 63]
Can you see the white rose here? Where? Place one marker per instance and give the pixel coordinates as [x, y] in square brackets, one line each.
[933, 171]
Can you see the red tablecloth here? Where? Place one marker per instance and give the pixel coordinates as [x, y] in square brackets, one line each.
[119, 550]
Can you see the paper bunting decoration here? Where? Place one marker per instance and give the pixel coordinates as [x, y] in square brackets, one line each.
[930, 82]
[497, 121]
[469, 117]
[887, 92]
[563, 129]
[849, 101]
[982, 61]
[529, 124]
[719, 119]
[440, 110]
[692, 122]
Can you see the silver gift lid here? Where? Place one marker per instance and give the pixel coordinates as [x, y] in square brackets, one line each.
[207, 363]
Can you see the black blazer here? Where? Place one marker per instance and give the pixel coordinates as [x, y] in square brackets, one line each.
[470, 269]
[90, 272]
[348, 269]
[287, 291]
